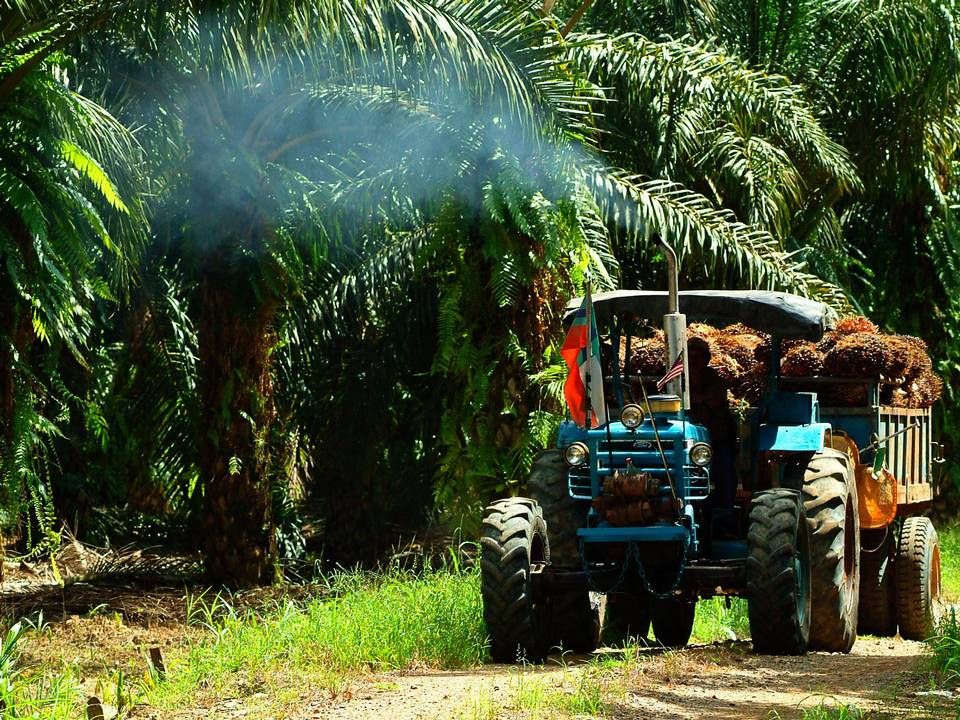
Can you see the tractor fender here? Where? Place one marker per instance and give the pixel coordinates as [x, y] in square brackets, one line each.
[793, 438]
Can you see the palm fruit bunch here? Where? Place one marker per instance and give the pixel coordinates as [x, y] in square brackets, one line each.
[739, 347]
[648, 355]
[860, 355]
[857, 348]
[853, 324]
[741, 357]
[803, 359]
[751, 385]
[702, 330]
[629, 498]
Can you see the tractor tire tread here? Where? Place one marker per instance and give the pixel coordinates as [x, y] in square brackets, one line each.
[775, 523]
[509, 530]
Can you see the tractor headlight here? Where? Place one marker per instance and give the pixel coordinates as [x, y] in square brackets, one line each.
[631, 416]
[701, 454]
[576, 454]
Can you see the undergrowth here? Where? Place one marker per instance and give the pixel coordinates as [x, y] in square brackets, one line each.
[950, 562]
[372, 622]
[53, 695]
[828, 711]
[945, 645]
[719, 619]
[275, 657]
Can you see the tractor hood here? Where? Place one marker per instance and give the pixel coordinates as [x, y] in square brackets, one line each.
[776, 313]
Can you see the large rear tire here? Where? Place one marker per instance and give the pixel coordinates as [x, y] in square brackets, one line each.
[513, 544]
[672, 620]
[918, 579]
[830, 504]
[876, 614]
[778, 573]
[547, 485]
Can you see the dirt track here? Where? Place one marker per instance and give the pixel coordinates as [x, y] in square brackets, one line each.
[725, 681]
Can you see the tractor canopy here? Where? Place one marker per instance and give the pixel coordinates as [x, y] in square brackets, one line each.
[777, 313]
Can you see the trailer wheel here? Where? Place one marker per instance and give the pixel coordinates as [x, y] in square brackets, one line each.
[917, 579]
[876, 615]
[778, 573]
[575, 618]
[830, 504]
[672, 620]
[547, 485]
[627, 618]
[513, 544]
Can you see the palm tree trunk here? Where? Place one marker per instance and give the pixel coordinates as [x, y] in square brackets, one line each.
[236, 391]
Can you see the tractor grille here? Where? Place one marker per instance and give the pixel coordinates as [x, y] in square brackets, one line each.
[578, 481]
[631, 445]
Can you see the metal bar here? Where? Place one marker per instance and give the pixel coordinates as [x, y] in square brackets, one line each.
[880, 441]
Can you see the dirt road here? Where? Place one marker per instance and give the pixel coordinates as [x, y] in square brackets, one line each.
[720, 681]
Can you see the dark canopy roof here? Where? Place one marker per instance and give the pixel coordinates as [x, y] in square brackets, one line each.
[777, 313]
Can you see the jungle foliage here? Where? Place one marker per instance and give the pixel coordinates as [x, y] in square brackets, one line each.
[271, 262]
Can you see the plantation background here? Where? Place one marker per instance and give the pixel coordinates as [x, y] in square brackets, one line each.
[281, 282]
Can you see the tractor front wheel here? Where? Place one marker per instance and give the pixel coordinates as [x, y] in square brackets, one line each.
[778, 573]
[514, 546]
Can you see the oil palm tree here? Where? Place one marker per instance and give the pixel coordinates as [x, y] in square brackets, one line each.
[461, 145]
[71, 226]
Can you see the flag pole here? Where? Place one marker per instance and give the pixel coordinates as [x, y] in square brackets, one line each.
[588, 408]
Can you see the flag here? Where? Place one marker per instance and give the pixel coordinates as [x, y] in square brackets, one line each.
[675, 371]
[581, 350]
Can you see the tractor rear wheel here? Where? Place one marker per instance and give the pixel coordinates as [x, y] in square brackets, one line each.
[513, 546]
[547, 485]
[627, 618]
[876, 615]
[830, 504]
[576, 616]
[778, 573]
[917, 579]
[672, 620]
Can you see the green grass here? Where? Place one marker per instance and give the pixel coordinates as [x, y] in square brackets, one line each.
[271, 659]
[576, 692]
[945, 645]
[373, 623]
[715, 622]
[950, 562]
[823, 711]
[46, 694]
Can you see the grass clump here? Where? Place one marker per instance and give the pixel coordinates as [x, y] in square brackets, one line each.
[828, 711]
[372, 622]
[945, 645]
[38, 694]
[716, 621]
[823, 711]
[577, 692]
[950, 562]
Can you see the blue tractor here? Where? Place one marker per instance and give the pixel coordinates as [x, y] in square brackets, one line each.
[623, 516]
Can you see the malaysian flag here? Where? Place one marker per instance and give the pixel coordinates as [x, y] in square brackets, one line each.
[675, 371]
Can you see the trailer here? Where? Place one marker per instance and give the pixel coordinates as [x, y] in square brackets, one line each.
[895, 457]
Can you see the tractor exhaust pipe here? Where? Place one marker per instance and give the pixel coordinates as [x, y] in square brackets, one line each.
[675, 328]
